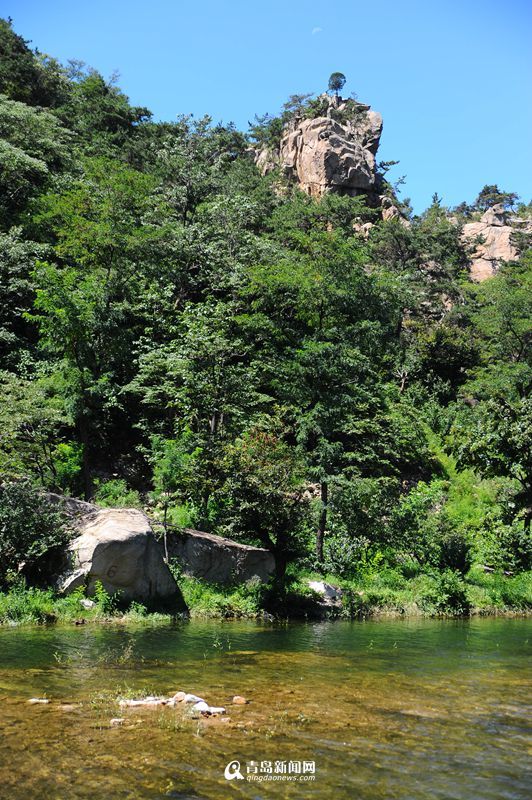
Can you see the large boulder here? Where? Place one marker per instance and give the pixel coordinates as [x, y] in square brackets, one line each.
[334, 152]
[117, 548]
[219, 560]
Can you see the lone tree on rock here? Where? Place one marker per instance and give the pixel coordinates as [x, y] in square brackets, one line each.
[336, 82]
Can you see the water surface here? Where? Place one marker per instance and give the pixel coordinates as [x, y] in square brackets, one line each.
[390, 709]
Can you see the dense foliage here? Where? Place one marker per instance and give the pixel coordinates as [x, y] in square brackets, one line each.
[176, 331]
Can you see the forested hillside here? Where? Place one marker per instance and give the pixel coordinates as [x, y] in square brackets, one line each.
[181, 333]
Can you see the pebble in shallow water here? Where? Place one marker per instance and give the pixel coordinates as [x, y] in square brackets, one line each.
[239, 701]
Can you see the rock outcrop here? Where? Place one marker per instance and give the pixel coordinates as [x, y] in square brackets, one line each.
[219, 560]
[492, 239]
[333, 152]
[493, 232]
[117, 547]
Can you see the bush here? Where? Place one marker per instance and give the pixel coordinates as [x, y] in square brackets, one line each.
[455, 552]
[344, 553]
[30, 526]
[449, 595]
[26, 605]
[214, 600]
[115, 493]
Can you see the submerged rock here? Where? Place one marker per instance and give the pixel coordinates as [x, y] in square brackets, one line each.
[200, 706]
[145, 701]
[196, 705]
[192, 698]
[238, 700]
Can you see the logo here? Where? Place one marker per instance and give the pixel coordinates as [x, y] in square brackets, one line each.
[232, 771]
[262, 771]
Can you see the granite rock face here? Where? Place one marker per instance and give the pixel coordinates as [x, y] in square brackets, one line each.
[493, 231]
[219, 560]
[334, 152]
[116, 546]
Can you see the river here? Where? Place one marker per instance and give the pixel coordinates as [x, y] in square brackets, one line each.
[379, 710]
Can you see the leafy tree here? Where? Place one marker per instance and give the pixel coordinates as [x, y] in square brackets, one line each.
[33, 144]
[264, 495]
[495, 437]
[18, 337]
[27, 76]
[86, 299]
[35, 434]
[100, 113]
[336, 82]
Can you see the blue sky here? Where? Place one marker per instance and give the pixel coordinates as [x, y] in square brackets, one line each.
[452, 78]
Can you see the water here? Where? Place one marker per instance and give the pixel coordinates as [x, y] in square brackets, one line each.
[402, 710]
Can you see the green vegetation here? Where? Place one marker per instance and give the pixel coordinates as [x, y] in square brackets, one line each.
[21, 605]
[336, 82]
[176, 331]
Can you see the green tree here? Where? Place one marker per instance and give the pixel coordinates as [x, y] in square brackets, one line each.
[33, 144]
[336, 82]
[18, 336]
[495, 437]
[28, 76]
[491, 195]
[87, 299]
[263, 495]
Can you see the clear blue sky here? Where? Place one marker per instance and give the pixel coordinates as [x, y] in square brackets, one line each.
[452, 78]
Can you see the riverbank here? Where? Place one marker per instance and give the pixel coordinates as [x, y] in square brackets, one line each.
[384, 594]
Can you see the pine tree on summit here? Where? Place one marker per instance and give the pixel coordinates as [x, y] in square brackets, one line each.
[337, 82]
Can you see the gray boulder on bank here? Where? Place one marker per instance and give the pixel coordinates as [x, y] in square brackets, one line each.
[219, 560]
[117, 547]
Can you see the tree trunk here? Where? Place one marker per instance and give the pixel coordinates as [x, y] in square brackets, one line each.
[320, 533]
[86, 466]
[165, 528]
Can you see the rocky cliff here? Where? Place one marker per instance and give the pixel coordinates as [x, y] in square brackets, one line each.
[492, 238]
[332, 152]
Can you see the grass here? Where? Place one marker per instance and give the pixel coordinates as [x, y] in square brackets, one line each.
[22, 605]
[207, 600]
[387, 591]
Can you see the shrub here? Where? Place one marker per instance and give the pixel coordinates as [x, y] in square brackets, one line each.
[115, 493]
[455, 552]
[344, 553]
[30, 526]
[449, 595]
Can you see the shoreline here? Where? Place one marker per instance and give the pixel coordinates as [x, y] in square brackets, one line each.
[156, 618]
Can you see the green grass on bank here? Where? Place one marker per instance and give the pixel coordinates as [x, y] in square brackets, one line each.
[388, 591]
[385, 592]
[21, 605]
